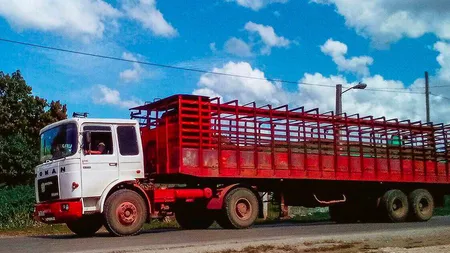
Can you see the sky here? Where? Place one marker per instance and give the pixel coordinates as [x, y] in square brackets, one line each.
[312, 44]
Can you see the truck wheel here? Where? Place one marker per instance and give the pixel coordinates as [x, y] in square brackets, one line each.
[86, 226]
[125, 213]
[240, 209]
[193, 216]
[394, 204]
[421, 204]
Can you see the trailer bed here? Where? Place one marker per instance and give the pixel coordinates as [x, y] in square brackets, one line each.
[202, 137]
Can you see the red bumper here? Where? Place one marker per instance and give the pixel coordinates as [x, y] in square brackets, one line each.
[58, 211]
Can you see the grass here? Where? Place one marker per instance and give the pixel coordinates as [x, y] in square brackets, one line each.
[445, 210]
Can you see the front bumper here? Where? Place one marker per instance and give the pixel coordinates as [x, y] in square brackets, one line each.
[58, 211]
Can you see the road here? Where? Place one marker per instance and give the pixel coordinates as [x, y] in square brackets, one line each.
[164, 239]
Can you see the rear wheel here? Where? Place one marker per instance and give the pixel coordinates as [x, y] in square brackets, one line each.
[86, 226]
[240, 209]
[193, 216]
[421, 205]
[395, 206]
[125, 213]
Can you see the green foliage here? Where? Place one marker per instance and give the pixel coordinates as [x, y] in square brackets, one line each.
[445, 210]
[16, 206]
[22, 115]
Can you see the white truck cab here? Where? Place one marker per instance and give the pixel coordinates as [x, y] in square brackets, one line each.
[81, 160]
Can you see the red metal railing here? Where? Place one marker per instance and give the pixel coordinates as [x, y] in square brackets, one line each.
[204, 137]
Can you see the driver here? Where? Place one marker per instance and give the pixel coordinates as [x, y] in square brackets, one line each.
[100, 149]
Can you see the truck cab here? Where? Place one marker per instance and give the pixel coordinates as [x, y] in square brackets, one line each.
[81, 160]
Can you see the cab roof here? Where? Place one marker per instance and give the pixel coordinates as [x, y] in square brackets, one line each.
[80, 121]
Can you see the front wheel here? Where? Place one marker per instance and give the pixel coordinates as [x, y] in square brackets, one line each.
[125, 213]
[86, 226]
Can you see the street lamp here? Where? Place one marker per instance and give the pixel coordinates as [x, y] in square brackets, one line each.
[359, 86]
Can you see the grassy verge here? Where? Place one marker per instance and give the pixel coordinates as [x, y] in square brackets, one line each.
[445, 210]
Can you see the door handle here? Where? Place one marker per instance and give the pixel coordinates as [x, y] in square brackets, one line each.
[112, 164]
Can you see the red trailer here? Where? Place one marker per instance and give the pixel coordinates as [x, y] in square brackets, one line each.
[362, 167]
[207, 161]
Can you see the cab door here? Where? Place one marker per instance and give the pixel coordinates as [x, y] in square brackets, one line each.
[130, 152]
[98, 169]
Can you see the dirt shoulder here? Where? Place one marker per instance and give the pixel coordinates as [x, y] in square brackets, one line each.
[408, 241]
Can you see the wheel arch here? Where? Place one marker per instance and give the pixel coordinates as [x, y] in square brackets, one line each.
[126, 184]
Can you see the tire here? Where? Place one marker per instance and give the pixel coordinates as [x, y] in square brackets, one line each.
[421, 204]
[125, 213]
[240, 209]
[394, 206]
[193, 216]
[86, 226]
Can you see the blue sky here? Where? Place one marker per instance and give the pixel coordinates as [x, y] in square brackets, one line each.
[387, 49]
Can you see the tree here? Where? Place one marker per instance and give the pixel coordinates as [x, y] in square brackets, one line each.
[22, 115]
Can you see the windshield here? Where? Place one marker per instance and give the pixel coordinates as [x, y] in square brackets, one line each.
[59, 142]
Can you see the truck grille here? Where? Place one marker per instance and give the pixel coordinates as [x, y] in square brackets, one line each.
[48, 188]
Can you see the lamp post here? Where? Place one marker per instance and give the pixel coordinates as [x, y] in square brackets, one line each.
[339, 92]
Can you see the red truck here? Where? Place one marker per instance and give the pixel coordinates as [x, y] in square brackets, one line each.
[204, 161]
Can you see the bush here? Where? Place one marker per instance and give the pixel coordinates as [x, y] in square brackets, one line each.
[16, 206]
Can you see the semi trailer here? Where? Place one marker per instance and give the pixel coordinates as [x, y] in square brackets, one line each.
[206, 161]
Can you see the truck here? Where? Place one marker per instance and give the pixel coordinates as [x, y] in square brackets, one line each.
[204, 161]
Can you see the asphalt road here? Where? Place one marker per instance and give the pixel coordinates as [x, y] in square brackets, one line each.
[163, 238]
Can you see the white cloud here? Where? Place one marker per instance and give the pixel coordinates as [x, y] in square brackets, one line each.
[443, 59]
[337, 50]
[387, 21]
[238, 47]
[86, 18]
[404, 104]
[268, 36]
[256, 5]
[149, 16]
[134, 74]
[245, 90]
[106, 96]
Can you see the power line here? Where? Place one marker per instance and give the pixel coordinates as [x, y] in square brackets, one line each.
[191, 69]
[157, 64]
[436, 95]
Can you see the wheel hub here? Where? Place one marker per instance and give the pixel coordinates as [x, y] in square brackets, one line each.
[127, 213]
[243, 209]
[424, 205]
[397, 205]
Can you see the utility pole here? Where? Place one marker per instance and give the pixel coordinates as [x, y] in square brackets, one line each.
[338, 99]
[427, 96]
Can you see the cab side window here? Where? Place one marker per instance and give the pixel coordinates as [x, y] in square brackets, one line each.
[127, 140]
[101, 140]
